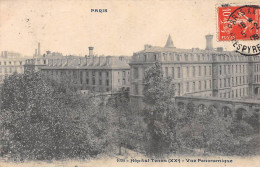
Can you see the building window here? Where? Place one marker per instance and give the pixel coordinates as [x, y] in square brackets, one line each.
[87, 81]
[166, 71]
[136, 73]
[75, 74]
[100, 82]
[124, 81]
[179, 72]
[199, 70]
[179, 89]
[205, 84]
[220, 70]
[210, 70]
[100, 74]
[124, 73]
[155, 57]
[186, 57]
[178, 57]
[93, 81]
[193, 86]
[199, 85]
[81, 77]
[107, 82]
[205, 70]
[93, 73]
[188, 71]
[136, 89]
[194, 71]
[173, 72]
[187, 87]
[107, 74]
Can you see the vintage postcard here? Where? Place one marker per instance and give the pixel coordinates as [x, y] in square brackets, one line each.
[112, 83]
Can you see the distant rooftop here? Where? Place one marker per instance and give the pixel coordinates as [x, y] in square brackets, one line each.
[169, 47]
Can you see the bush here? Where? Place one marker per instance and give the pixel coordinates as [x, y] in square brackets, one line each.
[241, 129]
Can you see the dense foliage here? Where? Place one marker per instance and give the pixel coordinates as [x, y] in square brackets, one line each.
[43, 119]
[172, 128]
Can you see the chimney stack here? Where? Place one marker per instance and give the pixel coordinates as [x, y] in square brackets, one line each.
[35, 54]
[209, 45]
[5, 54]
[90, 51]
[39, 51]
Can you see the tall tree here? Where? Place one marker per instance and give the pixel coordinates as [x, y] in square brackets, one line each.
[159, 111]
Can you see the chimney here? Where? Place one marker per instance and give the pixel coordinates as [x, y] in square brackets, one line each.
[5, 54]
[209, 45]
[39, 50]
[35, 54]
[90, 51]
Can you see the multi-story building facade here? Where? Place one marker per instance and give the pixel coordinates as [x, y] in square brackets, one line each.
[98, 74]
[10, 62]
[195, 72]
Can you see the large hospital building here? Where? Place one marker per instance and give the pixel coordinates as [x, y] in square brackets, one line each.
[195, 72]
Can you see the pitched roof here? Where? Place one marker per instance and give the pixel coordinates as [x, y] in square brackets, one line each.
[169, 43]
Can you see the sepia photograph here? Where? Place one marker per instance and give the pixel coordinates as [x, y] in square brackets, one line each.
[127, 83]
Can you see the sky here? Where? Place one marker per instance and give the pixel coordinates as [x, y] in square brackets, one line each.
[69, 26]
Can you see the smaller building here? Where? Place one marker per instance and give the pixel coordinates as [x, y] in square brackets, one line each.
[10, 62]
[98, 74]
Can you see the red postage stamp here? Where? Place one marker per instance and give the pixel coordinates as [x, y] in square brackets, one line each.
[238, 22]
